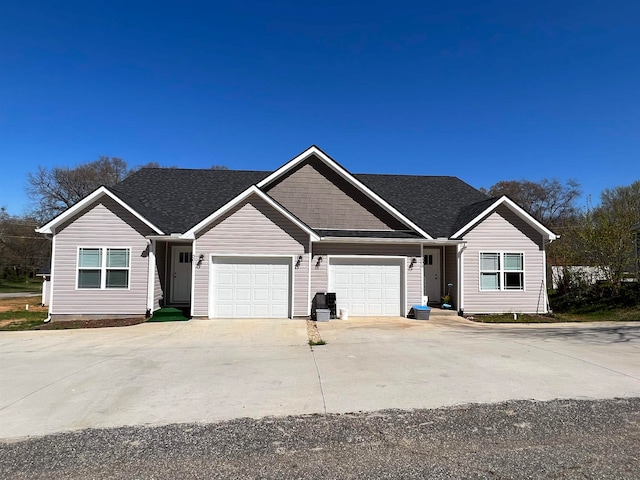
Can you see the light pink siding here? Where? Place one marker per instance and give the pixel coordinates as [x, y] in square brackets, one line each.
[159, 275]
[319, 276]
[253, 228]
[104, 224]
[503, 231]
[323, 199]
[450, 273]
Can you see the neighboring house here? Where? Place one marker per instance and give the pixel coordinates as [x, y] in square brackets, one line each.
[228, 243]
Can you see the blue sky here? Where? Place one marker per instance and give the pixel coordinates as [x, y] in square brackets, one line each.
[483, 90]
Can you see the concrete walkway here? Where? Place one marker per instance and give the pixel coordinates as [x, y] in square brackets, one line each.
[18, 295]
[204, 371]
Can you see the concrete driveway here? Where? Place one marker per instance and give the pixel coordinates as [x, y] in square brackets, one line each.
[204, 371]
[373, 364]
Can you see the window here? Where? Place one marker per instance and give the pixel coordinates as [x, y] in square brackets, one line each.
[103, 267]
[501, 271]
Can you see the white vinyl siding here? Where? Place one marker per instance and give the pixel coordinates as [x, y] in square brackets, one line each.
[504, 232]
[104, 223]
[254, 228]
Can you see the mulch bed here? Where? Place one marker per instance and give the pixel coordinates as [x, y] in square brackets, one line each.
[106, 322]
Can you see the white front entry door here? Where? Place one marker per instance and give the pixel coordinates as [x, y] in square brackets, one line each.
[432, 274]
[250, 287]
[367, 286]
[181, 275]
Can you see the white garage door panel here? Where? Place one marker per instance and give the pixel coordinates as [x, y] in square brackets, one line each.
[250, 287]
[371, 288]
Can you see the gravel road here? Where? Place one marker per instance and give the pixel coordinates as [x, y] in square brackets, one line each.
[519, 439]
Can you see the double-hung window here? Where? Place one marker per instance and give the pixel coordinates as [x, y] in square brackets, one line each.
[103, 267]
[501, 271]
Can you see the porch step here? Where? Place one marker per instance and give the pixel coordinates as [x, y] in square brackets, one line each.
[168, 314]
[452, 312]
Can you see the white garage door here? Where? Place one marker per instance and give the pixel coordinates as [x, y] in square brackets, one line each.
[367, 287]
[250, 287]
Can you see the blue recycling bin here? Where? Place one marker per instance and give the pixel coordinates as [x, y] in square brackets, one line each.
[421, 312]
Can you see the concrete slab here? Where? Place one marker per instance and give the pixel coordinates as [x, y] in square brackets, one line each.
[204, 371]
[155, 373]
[375, 363]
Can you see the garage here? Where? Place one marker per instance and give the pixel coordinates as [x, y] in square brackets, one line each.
[367, 286]
[250, 287]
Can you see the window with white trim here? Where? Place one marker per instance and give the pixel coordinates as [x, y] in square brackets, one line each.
[501, 271]
[103, 267]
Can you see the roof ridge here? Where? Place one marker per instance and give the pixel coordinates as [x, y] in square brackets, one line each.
[173, 169]
[407, 175]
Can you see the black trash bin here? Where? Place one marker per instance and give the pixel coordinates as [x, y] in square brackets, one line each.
[330, 299]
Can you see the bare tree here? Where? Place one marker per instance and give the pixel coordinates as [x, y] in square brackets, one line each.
[22, 251]
[548, 200]
[54, 190]
[151, 165]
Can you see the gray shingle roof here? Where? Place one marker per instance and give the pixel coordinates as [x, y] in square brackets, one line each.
[432, 202]
[177, 199]
[469, 212]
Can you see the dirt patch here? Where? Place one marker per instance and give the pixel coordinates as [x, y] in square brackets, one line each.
[509, 318]
[13, 304]
[313, 334]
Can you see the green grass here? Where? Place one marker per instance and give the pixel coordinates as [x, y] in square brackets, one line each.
[32, 286]
[630, 314]
[318, 342]
[21, 320]
[611, 315]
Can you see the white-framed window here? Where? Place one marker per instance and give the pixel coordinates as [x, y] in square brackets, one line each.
[103, 267]
[501, 271]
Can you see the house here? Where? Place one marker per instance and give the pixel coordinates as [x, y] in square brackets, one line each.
[227, 243]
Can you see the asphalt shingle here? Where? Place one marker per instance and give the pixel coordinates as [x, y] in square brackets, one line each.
[176, 199]
[432, 202]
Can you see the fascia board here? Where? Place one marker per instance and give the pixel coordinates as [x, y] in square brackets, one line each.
[517, 210]
[253, 190]
[95, 195]
[413, 241]
[313, 150]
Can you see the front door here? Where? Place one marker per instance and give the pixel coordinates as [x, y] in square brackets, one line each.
[181, 275]
[432, 274]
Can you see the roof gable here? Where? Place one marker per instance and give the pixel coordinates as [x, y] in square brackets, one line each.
[49, 228]
[487, 207]
[342, 172]
[191, 233]
[322, 198]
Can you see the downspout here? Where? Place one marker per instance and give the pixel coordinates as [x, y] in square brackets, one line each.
[461, 247]
[151, 260]
[51, 237]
